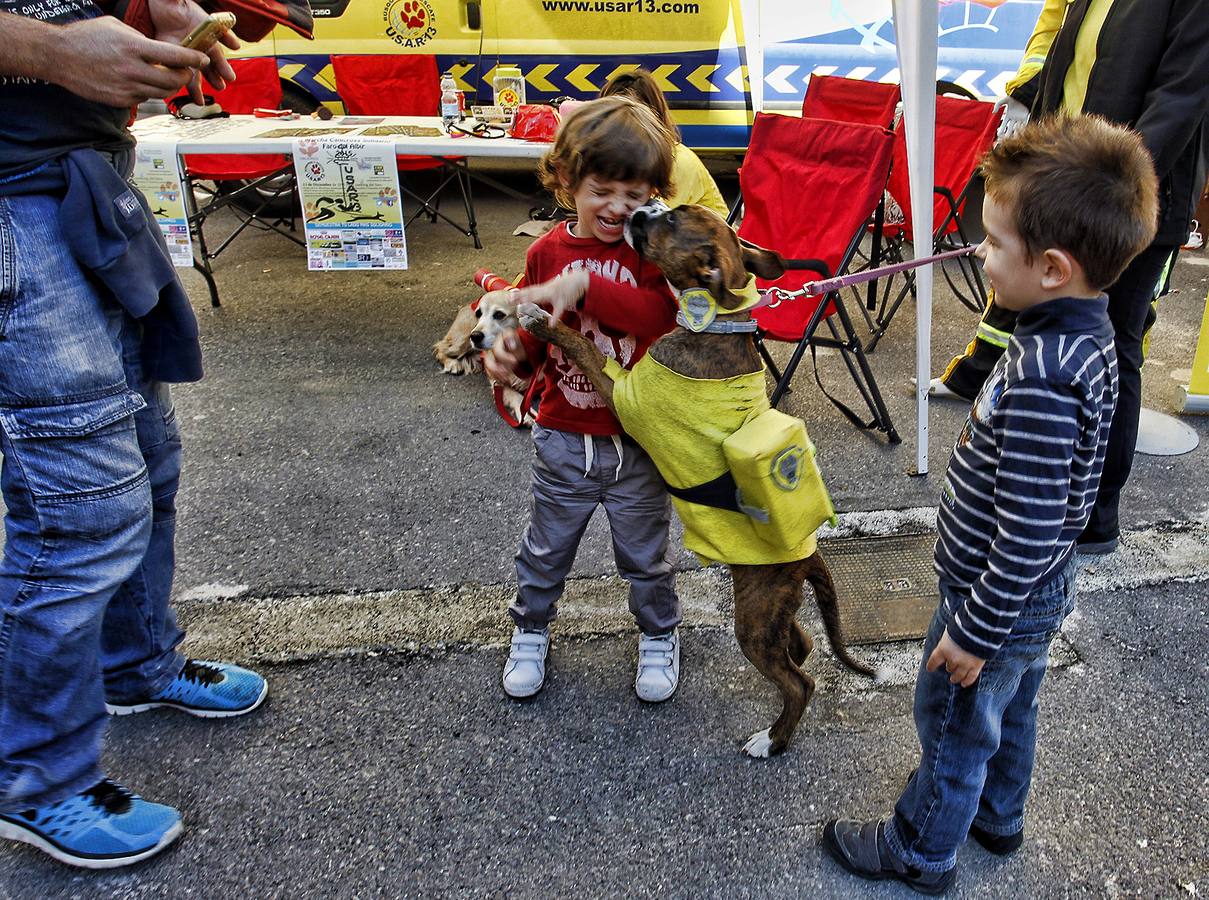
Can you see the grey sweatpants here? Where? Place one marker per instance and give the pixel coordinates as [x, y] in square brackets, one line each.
[572, 475]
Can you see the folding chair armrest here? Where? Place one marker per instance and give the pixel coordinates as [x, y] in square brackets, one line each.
[736, 212]
[810, 265]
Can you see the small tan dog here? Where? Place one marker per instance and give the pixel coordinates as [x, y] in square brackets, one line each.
[474, 330]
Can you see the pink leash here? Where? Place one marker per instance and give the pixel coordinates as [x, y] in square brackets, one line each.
[827, 285]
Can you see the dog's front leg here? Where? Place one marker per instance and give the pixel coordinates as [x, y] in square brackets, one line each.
[587, 358]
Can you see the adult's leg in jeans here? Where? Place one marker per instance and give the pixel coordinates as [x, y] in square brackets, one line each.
[140, 634]
[79, 505]
[1129, 302]
[563, 502]
[640, 514]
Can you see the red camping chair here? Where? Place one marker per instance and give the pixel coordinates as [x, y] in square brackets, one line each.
[868, 103]
[251, 185]
[851, 100]
[965, 129]
[809, 189]
[406, 85]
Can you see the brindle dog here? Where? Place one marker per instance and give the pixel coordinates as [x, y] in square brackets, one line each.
[695, 248]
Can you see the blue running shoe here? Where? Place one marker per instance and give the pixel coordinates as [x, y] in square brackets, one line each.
[211, 690]
[104, 827]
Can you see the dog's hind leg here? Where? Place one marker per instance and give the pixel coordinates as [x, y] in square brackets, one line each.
[800, 643]
[766, 600]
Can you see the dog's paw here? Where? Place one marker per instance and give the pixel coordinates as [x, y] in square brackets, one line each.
[759, 745]
[533, 319]
[466, 365]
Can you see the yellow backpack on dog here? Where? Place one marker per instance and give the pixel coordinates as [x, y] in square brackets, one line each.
[780, 488]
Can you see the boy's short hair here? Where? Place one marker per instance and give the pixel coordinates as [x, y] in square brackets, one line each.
[641, 85]
[614, 139]
[1079, 184]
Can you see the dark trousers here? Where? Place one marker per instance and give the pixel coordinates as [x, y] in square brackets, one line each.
[1129, 308]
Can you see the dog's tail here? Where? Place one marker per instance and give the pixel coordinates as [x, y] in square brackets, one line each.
[829, 607]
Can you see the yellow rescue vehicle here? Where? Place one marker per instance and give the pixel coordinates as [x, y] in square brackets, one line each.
[696, 50]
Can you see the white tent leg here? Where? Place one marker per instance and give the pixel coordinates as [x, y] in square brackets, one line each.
[915, 23]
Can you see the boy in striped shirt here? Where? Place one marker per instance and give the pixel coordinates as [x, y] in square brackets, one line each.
[1069, 202]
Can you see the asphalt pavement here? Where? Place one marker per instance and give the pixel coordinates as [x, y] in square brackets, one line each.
[347, 523]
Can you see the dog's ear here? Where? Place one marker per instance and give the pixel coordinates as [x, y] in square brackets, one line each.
[717, 284]
[764, 263]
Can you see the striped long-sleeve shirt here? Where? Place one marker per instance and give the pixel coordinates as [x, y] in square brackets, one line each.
[1024, 474]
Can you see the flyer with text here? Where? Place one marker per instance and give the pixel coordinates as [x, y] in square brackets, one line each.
[349, 190]
[157, 175]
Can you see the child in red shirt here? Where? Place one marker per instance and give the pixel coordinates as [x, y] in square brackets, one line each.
[610, 156]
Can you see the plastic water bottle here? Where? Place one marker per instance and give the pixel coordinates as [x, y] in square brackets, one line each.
[451, 111]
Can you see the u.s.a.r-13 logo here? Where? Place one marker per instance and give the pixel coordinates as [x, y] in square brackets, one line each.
[410, 23]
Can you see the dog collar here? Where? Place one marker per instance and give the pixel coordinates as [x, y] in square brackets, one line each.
[699, 311]
[716, 327]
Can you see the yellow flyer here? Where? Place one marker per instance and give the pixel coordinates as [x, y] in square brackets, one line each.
[157, 175]
[349, 188]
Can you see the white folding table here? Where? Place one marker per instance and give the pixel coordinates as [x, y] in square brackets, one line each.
[412, 136]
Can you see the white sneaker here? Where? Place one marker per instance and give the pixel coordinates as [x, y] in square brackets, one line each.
[525, 670]
[658, 666]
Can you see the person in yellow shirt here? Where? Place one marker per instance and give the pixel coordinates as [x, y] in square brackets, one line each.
[691, 181]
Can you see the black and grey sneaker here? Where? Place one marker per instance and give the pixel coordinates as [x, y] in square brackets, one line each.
[861, 848]
[999, 844]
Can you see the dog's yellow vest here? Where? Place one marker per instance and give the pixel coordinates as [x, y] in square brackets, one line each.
[681, 422]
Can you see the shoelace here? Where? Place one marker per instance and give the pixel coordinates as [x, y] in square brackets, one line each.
[110, 796]
[201, 673]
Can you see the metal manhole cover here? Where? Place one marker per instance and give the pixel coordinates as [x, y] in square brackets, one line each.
[886, 586]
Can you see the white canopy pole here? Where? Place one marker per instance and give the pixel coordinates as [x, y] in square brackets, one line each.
[915, 37]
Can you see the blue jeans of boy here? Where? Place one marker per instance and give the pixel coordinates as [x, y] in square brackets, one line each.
[91, 465]
[977, 743]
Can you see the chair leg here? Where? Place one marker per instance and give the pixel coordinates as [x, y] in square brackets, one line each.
[201, 260]
[875, 254]
[468, 202]
[867, 383]
[883, 319]
[849, 344]
[768, 361]
[782, 386]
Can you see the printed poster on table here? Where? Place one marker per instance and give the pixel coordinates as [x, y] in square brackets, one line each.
[349, 190]
[157, 175]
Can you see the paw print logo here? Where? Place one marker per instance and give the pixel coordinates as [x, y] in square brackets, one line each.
[411, 23]
[386, 197]
[413, 15]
